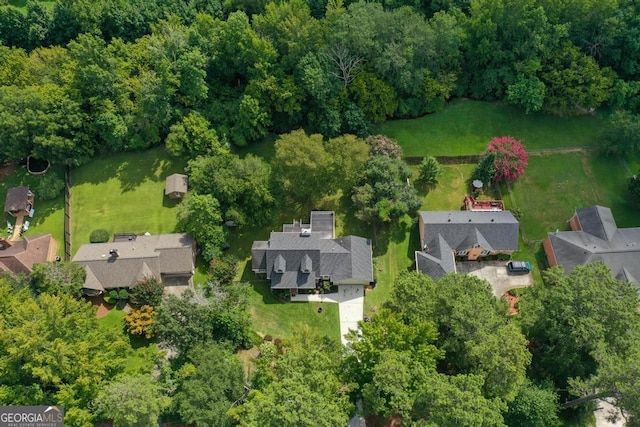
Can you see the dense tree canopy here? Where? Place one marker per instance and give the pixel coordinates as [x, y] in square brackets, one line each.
[210, 383]
[569, 318]
[127, 75]
[290, 389]
[52, 351]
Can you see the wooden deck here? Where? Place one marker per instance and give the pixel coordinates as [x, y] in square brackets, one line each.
[17, 228]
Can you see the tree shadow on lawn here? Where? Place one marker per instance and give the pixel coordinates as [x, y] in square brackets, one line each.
[263, 289]
[130, 168]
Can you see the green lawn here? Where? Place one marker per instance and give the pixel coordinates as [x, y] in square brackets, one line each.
[143, 352]
[123, 193]
[49, 214]
[451, 189]
[465, 127]
[21, 5]
[279, 319]
[554, 186]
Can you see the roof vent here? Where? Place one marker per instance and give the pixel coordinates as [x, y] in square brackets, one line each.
[469, 219]
[114, 253]
[492, 219]
[305, 232]
[449, 220]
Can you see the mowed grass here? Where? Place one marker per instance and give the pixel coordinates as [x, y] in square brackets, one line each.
[123, 193]
[49, 214]
[465, 127]
[450, 191]
[21, 5]
[554, 186]
[270, 316]
[142, 352]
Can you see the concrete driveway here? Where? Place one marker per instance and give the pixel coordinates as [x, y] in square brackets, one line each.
[350, 299]
[495, 272]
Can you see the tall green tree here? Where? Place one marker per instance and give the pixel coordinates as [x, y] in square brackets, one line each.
[293, 391]
[193, 136]
[52, 351]
[301, 164]
[477, 337]
[56, 278]
[132, 400]
[569, 317]
[212, 382]
[385, 194]
[200, 216]
[242, 186]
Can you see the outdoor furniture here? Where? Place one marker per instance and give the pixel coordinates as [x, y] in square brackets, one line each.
[25, 226]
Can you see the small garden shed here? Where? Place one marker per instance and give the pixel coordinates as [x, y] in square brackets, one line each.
[176, 186]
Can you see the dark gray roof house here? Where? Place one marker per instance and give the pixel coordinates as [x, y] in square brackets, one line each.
[176, 186]
[167, 257]
[595, 236]
[303, 254]
[449, 235]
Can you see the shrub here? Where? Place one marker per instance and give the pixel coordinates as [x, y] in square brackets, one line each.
[384, 146]
[268, 338]
[430, 171]
[148, 291]
[140, 321]
[123, 294]
[111, 297]
[49, 186]
[99, 236]
[223, 270]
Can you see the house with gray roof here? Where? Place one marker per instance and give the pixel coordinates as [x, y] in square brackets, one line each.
[595, 236]
[303, 255]
[447, 236]
[169, 258]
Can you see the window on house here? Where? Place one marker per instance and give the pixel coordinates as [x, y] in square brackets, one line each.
[462, 253]
[485, 253]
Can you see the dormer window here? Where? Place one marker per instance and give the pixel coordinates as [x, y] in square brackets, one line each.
[279, 265]
[306, 265]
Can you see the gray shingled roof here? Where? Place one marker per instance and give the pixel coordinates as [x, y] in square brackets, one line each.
[499, 230]
[176, 183]
[598, 221]
[448, 231]
[619, 250]
[306, 257]
[148, 255]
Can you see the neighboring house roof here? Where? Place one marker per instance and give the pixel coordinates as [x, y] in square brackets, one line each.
[448, 231]
[17, 199]
[296, 259]
[599, 240]
[19, 256]
[123, 264]
[176, 183]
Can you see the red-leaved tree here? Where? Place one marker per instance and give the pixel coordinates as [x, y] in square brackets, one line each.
[511, 158]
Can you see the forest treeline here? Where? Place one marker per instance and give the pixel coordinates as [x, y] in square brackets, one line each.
[85, 77]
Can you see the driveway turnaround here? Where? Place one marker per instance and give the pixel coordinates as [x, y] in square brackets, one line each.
[350, 299]
[495, 272]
